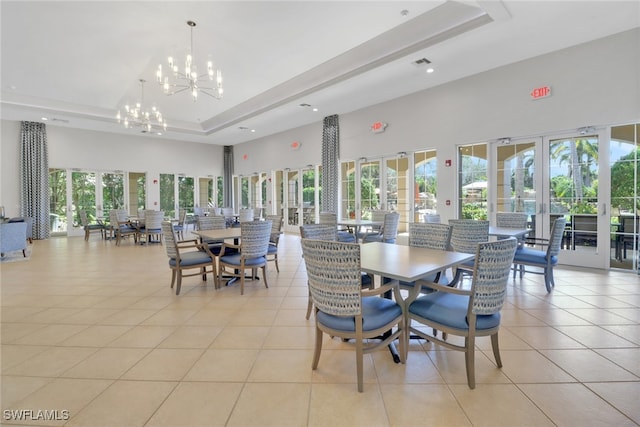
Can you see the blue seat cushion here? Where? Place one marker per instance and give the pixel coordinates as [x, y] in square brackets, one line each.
[532, 256]
[273, 249]
[450, 310]
[235, 260]
[376, 313]
[191, 258]
[345, 236]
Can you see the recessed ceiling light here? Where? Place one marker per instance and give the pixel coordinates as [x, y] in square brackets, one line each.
[44, 119]
[315, 109]
[430, 70]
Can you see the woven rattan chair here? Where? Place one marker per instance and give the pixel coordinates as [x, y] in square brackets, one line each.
[331, 218]
[276, 231]
[253, 247]
[468, 313]
[343, 309]
[546, 260]
[465, 236]
[152, 226]
[181, 259]
[122, 227]
[431, 236]
[512, 219]
[181, 225]
[90, 227]
[432, 218]
[389, 231]
[329, 233]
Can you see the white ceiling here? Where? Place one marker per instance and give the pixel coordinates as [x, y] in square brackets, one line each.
[77, 63]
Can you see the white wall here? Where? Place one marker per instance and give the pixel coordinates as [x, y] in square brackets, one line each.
[101, 151]
[592, 84]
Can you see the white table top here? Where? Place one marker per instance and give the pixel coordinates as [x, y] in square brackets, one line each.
[219, 234]
[406, 263]
[359, 222]
[518, 233]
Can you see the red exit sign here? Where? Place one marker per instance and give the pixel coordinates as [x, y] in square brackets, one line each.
[540, 92]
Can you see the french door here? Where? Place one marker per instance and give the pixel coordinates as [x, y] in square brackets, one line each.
[73, 190]
[558, 176]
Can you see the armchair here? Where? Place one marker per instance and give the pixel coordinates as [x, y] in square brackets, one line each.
[469, 313]
[13, 237]
[180, 259]
[343, 309]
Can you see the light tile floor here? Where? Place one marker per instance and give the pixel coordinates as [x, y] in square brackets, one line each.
[95, 330]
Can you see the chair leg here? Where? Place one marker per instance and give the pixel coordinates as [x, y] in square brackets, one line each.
[276, 261]
[469, 357]
[264, 276]
[318, 349]
[173, 277]
[360, 363]
[496, 349]
[548, 278]
[309, 306]
[179, 284]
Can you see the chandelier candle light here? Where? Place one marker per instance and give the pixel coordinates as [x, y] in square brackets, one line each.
[178, 81]
[139, 116]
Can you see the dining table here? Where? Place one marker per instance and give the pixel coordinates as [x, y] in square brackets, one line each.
[223, 234]
[357, 224]
[506, 232]
[406, 263]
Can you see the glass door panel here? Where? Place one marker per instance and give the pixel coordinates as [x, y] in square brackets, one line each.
[205, 192]
[278, 190]
[168, 194]
[472, 181]
[137, 191]
[369, 189]
[348, 190]
[425, 181]
[220, 191]
[83, 197]
[573, 189]
[58, 201]
[112, 192]
[292, 205]
[624, 158]
[308, 196]
[186, 194]
[515, 184]
[398, 195]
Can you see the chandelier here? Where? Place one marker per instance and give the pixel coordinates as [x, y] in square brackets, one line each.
[177, 80]
[139, 116]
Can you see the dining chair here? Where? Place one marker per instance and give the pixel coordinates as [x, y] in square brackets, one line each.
[212, 222]
[465, 236]
[121, 226]
[90, 227]
[152, 228]
[180, 226]
[276, 231]
[251, 253]
[432, 218]
[388, 233]
[331, 218]
[468, 313]
[512, 219]
[229, 215]
[431, 236]
[246, 215]
[343, 309]
[545, 259]
[181, 258]
[329, 233]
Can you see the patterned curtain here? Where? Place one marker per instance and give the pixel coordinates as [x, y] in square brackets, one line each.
[34, 177]
[330, 165]
[227, 176]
